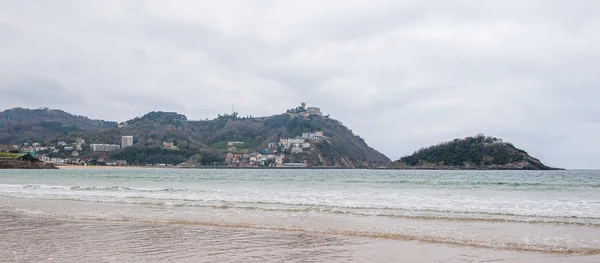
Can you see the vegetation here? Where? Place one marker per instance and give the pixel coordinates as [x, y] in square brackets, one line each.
[21, 125]
[476, 152]
[200, 142]
[9, 155]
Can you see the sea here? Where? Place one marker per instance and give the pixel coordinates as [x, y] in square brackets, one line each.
[298, 215]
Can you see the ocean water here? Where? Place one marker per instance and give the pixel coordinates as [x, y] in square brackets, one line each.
[548, 212]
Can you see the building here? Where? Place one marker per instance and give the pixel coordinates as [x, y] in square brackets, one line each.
[104, 147]
[296, 150]
[126, 141]
[279, 159]
[314, 110]
[80, 141]
[75, 153]
[294, 165]
[69, 148]
[168, 145]
[234, 143]
[61, 143]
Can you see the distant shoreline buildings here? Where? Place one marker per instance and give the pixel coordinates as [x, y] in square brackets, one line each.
[104, 147]
[126, 141]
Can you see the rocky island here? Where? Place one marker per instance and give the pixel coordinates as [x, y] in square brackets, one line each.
[472, 153]
[12, 161]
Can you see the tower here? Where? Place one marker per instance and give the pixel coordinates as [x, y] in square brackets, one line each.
[126, 141]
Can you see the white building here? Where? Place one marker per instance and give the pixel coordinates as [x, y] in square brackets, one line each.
[104, 147]
[126, 141]
[296, 150]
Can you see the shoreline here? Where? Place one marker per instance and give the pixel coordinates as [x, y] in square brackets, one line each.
[39, 237]
[295, 168]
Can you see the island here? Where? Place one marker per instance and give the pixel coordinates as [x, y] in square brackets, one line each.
[478, 152]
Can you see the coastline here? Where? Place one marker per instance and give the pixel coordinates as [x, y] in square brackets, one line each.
[306, 168]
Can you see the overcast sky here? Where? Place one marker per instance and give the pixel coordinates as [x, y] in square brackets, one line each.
[401, 74]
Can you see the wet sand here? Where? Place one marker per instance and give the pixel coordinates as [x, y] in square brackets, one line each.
[30, 238]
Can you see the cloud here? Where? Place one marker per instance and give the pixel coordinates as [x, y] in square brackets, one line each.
[402, 74]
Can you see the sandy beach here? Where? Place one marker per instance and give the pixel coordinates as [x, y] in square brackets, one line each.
[35, 238]
[210, 215]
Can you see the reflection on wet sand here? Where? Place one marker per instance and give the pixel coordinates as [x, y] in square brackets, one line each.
[28, 238]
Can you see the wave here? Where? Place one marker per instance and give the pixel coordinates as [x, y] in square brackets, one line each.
[125, 188]
[397, 213]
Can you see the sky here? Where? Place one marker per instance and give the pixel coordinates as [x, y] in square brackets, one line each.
[402, 74]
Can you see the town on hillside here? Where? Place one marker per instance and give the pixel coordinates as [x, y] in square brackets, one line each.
[275, 153]
[286, 152]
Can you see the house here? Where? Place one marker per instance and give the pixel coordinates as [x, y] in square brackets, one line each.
[80, 141]
[239, 156]
[235, 160]
[283, 141]
[234, 143]
[306, 145]
[69, 148]
[35, 144]
[272, 145]
[296, 150]
[61, 143]
[319, 133]
[252, 158]
[75, 153]
[229, 155]
[245, 156]
[231, 148]
[278, 159]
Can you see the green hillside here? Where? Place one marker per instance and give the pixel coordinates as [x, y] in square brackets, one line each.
[21, 125]
[477, 152]
[205, 142]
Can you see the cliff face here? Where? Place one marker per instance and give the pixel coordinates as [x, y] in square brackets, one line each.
[476, 153]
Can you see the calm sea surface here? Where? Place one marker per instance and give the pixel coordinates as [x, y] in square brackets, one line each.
[544, 212]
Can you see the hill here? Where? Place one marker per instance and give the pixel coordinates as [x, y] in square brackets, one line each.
[170, 138]
[21, 125]
[478, 152]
